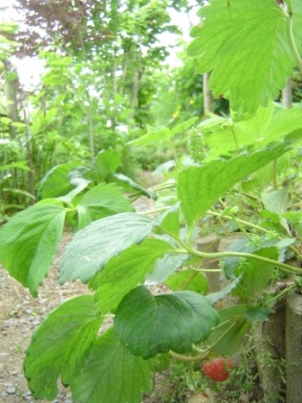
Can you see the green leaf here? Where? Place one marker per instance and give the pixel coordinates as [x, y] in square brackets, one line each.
[29, 241]
[258, 314]
[182, 127]
[276, 201]
[126, 271]
[107, 162]
[226, 338]
[102, 201]
[256, 274]
[219, 295]
[267, 125]
[132, 185]
[245, 43]
[153, 137]
[165, 267]
[111, 374]
[230, 263]
[57, 182]
[169, 222]
[149, 325]
[188, 280]
[8, 27]
[92, 247]
[20, 165]
[199, 187]
[60, 345]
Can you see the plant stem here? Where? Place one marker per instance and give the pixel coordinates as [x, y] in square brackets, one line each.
[208, 255]
[163, 186]
[281, 294]
[254, 226]
[290, 33]
[235, 138]
[188, 358]
[157, 210]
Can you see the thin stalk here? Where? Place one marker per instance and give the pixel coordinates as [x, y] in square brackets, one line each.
[205, 353]
[31, 183]
[187, 358]
[157, 210]
[235, 138]
[290, 34]
[281, 294]
[90, 111]
[163, 186]
[254, 226]
[208, 255]
[275, 185]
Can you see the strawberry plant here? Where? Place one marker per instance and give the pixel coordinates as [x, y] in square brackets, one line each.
[250, 47]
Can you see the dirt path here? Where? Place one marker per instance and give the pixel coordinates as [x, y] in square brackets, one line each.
[20, 314]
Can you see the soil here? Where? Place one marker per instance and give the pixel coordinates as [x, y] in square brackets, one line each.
[21, 314]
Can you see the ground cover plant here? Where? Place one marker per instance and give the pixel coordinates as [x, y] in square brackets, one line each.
[251, 48]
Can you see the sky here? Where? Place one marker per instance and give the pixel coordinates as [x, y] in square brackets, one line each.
[30, 69]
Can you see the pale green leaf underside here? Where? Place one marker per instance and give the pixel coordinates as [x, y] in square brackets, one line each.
[29, 241]
[111, 374]
[199, 187]
[101, 201]
[256, 274]
[56, 182]
[164, 267]
[126, 271]
[107, 162]
[163, 133]
[244, 43]
[266, 126]
[149, 325]
[60, 345]
[92, 247]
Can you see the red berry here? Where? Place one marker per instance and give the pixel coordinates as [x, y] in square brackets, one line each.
[218, 369]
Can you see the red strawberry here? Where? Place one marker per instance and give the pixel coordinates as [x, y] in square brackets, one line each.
[218, 369]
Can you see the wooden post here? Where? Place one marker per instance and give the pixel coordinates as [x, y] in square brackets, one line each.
[294, 348]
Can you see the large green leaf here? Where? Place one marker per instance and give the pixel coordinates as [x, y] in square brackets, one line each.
[60, 346]
[57, 183]
[169, 222]
[102, 201]
[266, 126]
[107, 162]
[245, 43]
[226, 338]
[160, 134]
[130, 185]
[29, 241]
[126, 271]
[164, 267]
[111, 374]
[256, 274]
[188, 280]
[183, 126]
[277, 202]
[92, 247]
[199, 187]
[149, 325]
[163, 133]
